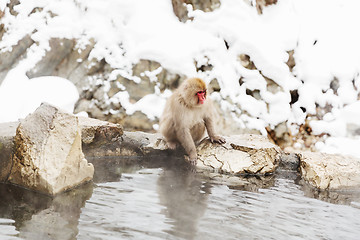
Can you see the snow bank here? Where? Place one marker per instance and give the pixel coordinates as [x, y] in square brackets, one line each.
[322, 34]
[20, 95]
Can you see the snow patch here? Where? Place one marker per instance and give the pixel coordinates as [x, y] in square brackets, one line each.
[20, 96]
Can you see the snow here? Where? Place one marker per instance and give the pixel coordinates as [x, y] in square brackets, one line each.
[341, 145]
[151, 105]
[322, 33]
[20, 95]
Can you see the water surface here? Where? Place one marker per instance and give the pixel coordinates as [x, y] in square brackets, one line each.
[166, 199]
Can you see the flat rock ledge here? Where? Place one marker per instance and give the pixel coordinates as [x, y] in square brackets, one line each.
[330, 171]
[241, 154]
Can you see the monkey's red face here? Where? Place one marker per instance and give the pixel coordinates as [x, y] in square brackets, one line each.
[201, 96]
[194, 92]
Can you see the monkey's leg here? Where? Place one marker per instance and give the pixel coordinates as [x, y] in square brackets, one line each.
[169, 133]
[187, 142]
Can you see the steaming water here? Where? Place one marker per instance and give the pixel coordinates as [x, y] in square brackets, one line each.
[171, 201]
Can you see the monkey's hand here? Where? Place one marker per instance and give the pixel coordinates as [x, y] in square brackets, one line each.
[171, 145]
[191, 159]
[217, 139]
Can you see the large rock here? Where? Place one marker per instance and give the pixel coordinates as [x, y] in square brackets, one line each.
[48, 156]
[330, 171]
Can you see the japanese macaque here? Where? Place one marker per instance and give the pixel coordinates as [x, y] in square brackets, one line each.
[186, 115]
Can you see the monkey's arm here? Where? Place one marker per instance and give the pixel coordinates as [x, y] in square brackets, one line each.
[184, 137]
[209, 124]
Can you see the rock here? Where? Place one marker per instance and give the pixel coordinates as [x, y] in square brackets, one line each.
[9, 59]
[241, 154]
[7, 134]
[260, 4]
[93, 110]
[129, 144]
[97, 136]
[84, 72]
[214, 85]
[289, 161]
[246, 62]
[82, 105]
[291, 60]
[137, 90]
[180, 9]
[59, 50]
[73, 60]
[169, 80]
[99, 94]
[280, 134]
[272, 86]
[93, 130]
[149, 144]
[138, 121]
[48, 156]
[334, 85]
[330, 171]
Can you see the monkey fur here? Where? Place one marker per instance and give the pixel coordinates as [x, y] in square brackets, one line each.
[186, 115]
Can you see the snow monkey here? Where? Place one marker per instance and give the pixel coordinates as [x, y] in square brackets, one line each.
[186, 115]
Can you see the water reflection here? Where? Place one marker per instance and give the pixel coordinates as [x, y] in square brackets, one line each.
[41, 217]
[185, 191]
[185, 197]
[110, 169]
[344, 197]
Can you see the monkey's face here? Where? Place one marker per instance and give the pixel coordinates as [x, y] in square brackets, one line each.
[201, 95]
[194, 92]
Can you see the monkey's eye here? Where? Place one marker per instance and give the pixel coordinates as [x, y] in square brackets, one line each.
[201, 92]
